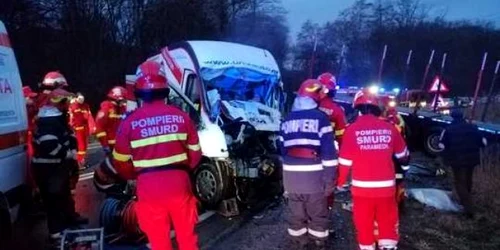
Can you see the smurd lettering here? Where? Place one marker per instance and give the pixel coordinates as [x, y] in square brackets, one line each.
[377, 139]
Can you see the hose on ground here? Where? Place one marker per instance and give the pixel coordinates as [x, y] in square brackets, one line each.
[109, 215]
[130, 225]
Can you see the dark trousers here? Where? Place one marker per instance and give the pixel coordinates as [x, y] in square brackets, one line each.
[308, 214]
[463, 186]
[54, 183]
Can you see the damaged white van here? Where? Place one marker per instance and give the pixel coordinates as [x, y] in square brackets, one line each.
[235, 95]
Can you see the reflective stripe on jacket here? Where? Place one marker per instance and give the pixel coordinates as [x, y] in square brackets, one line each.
[107, 120]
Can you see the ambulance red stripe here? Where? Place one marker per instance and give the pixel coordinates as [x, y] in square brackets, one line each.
[4, 40]
[12, 139]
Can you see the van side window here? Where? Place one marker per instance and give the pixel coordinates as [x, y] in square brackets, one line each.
[193, 90]
[175, 100]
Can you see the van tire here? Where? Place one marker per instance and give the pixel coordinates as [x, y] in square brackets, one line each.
[208, 183]
[431, 140]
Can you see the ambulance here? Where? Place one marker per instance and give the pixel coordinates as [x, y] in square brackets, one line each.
[13, 127]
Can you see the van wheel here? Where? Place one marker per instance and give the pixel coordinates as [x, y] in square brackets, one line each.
[5, 229]
[209, 186]
[431, 142]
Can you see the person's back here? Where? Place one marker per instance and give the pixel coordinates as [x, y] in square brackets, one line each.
[373, 153]
[158, 137]
[158, 144]
[462, 142]
[302, 132]
[309, 158]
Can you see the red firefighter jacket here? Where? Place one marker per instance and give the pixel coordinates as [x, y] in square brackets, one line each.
[393, 117]
[107, 120]
[79, 115]
[368, 149]
[336, 116]
[159, 144]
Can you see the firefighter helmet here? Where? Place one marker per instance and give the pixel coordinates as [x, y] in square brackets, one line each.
[328, 80]
[364, 97]
[117, 93]
[54, 79]
[311, 88]
[151, 81]
[27, 92]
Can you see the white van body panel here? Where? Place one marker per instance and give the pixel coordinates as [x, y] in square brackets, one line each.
[13, 122]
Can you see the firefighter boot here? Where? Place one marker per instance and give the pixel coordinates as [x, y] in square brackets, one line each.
[55, 241]
[83, 166]
[320, 244]
[298, 243]
[77, 220]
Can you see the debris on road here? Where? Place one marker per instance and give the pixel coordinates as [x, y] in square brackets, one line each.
[436, 198]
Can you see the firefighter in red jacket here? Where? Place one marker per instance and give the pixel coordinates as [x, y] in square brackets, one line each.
[368, 149]
[80, 115]
[391, 115]
[158, 145]
[32, 111]
[109, 116]
[333, 110]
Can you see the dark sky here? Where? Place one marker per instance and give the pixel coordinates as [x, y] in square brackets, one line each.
[321, 11]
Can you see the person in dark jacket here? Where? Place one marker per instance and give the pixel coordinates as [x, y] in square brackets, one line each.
[309, 161]
[54, 148]
[461, 142]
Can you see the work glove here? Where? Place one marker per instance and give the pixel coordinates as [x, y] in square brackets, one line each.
[285, 197]
[340, 189]
[71, 155]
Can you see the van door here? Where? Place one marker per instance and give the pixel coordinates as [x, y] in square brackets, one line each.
[13, 126]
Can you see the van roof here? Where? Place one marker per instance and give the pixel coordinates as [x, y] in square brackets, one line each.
[218, 54]
[2, 28]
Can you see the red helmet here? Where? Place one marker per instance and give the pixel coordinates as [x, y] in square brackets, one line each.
[311, 88]
[364, 97]
[117, 93]
[150, 76]
[328, 80]
[54, 79]
[27, 92]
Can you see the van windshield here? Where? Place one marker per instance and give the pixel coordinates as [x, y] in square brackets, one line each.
[240, 84]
